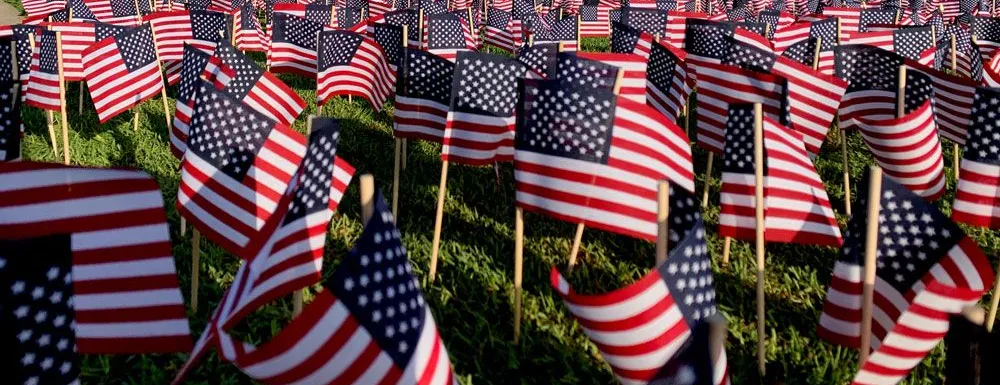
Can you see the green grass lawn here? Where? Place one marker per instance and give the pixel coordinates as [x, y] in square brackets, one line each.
[473, 296]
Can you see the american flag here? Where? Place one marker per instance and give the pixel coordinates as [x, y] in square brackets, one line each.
[260, 90]
[791, 34]
[390, 39]
[625, 39]
[378, 8]
[872, 76]
[10, 117]
[293, 45]
[315, 12]
[594, 21]
[237, 165]
[119, 12]
[80, 10]
[353, 64]
[830, 34]
[348, 17]
[950, 8]
[953, 96]
[667, 89]
[248, 34]
[197, 65]
[480, 123]
[407, 17]
[927, 269]
[19, 35]
[447, 35]
[813, 96]
[292, 256]
[797, 206]
[705, 42]
[642, 327]
[107, 282]
[991, 73]
[850, 20]
[203, 29]
[986, 30]
[803, 52]
[633, 84]
[968, 61]
[42, 7]
[43, 90]
[564, 31]
[915, 43]
[423, 92]
[573, 70]
[908, 147]
[603, 172]
[651, 21]
[122, 71]
[77, 37]
[541, 60]
[676, 29]
[498, 29]
[872, 17]
[977, 195]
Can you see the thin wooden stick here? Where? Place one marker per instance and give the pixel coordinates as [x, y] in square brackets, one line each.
[438, 218]
[403, 166]
[183, 226]
[518, 269]
[846, 168]
[163, 89]
[395, 178]
[195, 255]
[80, 99]
[871, 247]
[50, 118]
[901, 92]
[297, 303]
[956, 150]
[575, 248]
[662, 225]
[994, 301]
[759, 238]
[725, 250]
[62, 98]
[819, 44]
[135, 120]
[367, 198]
[708, 179]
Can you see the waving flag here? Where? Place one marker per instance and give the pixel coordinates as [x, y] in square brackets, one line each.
[42, 7]
[197, 65]
[260, 90]
[390, 39]
[118, 12]
[873, 17]
[953, 96]
[423, 92]
[677, 26]
[293, 45]
[640, 328]
[977, 196]
[872, 76]
[237, 165]
[44, 89]
[585, 155]
[987, 33]
[667, 89]
[912, 43]
[797, 208]
[316, 12]
[202, 29]
[803, 52]
[705, 42]
[447, 35]
[793, 33]
[248, 33]
[122, 71]
[594, 21]
[541, 60]
[927, 269]
[107, 283]
[353, 64]
[498, 29]
[77, 37]
[625, 39]
[720, 85]
[633, 84]
[564, 31]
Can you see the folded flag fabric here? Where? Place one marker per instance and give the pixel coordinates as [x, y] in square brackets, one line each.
[423, 94]
[197, 65]
[258, 89]
[293, 45]
[122, 71]
[45, 88]
[977, 197]
[353, 64]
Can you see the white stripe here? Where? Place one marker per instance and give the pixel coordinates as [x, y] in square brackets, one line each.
[129, 299]
[133, 329]
[311, 342]
[80, 207]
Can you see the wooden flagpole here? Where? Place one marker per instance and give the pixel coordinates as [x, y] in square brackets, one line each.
[518, 268]
[15, 75]
[758, 139]
[438, 218]
[62, 98]
[845, 166]
[708, 180]
[396, 162]
[871, 246]
[662, 224]
[994, 301]
[578, 236]
[163, 81]
[819, 45]
[956, 150]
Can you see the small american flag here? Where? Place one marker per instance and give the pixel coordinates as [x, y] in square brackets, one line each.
[722, 84]
[977, 196]
[870, 17]
[118, 11]
[633, 85]
[791, 34]
[349, 17]
[122, 71]
[197, 64]
[641, 328]
[594, 21]
[260, 90]
[797, 206]
[77, 37]
[237, 165]
[850, 18]
[248, 33]
[293, 45]
[953, 97]
[292, 256]
[80, 10]
[315, 12]
[872, 76]
[667, 88]
[651, 21]
[42, 7]
[927, 269]
[802, 52]
[447, 35]
[423, 92]
[23, 52]
[480, 122]
[107, 282]
[43, 90]
[987, 33]
[908, 147]
[407, 17]
[575, 71]
[390, 38]
[915, 43]
[676, 29]
[705, 42]
[564, 31]
[10, 119]
[353, 64]
[541, 60]
[498, 29]
[203, 29]
[577, 157]
[625, 39]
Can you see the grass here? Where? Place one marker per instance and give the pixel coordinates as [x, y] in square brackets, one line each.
[472, 298]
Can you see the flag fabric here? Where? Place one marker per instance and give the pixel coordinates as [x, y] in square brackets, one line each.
[872, 17]
[390, 39]
[348, 17]
[953, 96]
[293, 45]
[10, 118]
[353, 64]
[118, 12]
[19, 34]
[676, 30]
[248, 34]
[258, 89]
[625, 39]
[480, 123]
[976, 198]
[633, 84]
[197, 65]
[651, 21]
[797, 208]
[705, 42]
[927, 269]
[122, 71]
[498, 29]
[107, 283]
[585, 155]
[791, 34]
[315, 12]
[43, 90]
[991, 72]
[564, 31]
[850, 20]
[908, 148]
[872, 76]
[667, 89]
[803, 52]
[830, 36]
[76, 37]
[202, 29]
[407, 17]
[594, 21]
[986, 30]
[447, 35]
[423, 94]
[42, 7]
[915, 43]
[80, 10]
[237, 165]
[541, 60]
[292, 256]
[640, 328]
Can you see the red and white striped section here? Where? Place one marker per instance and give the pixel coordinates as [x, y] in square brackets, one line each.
[42, 7]
[112, 87]
[417, 118]
[76, 37]
[677, 26]
[814, 99]
[909, 151]
[633, 84]
[787, 36]
[718, 86]
[367, 75]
